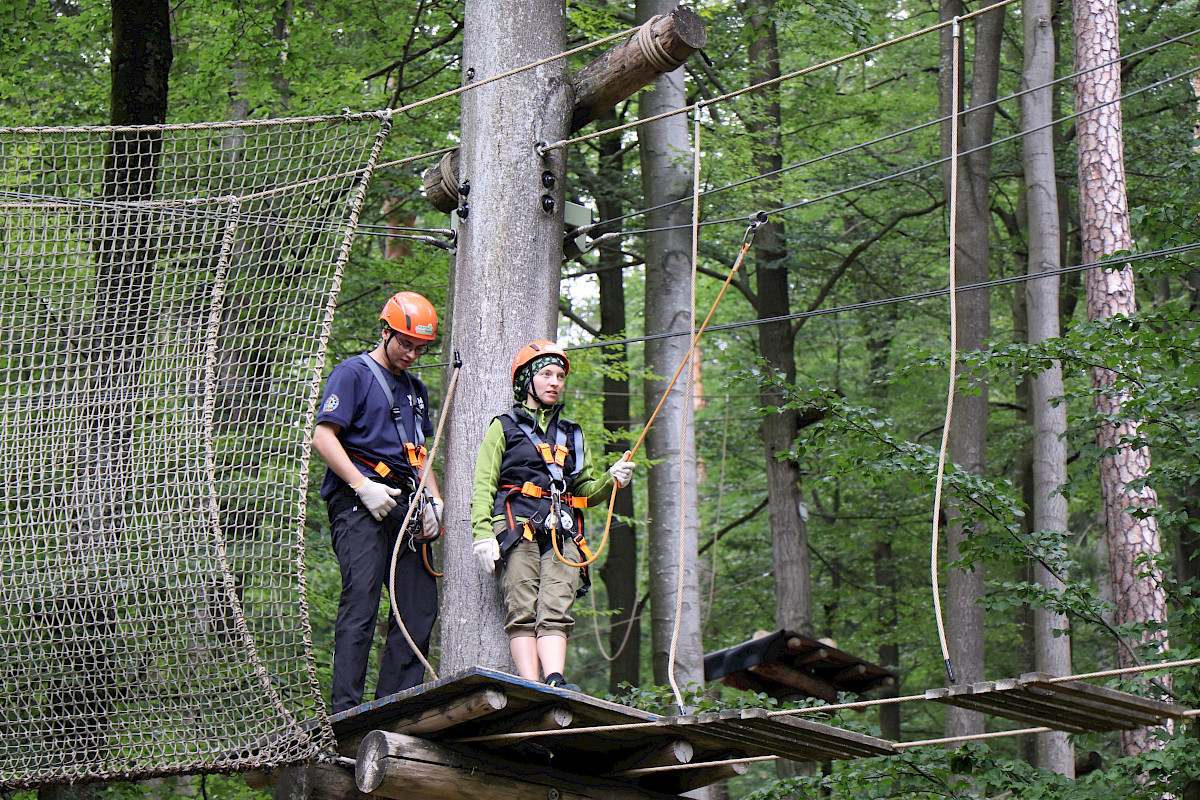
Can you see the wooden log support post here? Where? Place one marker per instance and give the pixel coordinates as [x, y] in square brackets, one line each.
[407, 768]
[661, 45]
[678, 751]
[459, 710]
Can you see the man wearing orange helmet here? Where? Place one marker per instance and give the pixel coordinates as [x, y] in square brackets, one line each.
[371, 432]
[533, 477]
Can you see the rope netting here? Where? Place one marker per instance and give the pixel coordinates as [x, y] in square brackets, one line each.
[165, 301]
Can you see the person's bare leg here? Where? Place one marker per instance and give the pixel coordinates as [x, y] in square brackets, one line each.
[552, 653]
[525, 655]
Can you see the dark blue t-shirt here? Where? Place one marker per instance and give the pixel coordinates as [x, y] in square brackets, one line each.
[354, 401]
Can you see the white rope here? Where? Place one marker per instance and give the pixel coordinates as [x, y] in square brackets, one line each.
[437, 438]
[956, 32]
[689, 361]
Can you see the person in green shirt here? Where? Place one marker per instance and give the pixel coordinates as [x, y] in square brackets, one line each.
[533, 477]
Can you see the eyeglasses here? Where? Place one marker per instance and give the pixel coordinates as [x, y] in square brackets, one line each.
[416, 348]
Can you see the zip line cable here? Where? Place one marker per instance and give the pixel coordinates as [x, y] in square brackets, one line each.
[929, 164]
[1114, 261]
[582, 229]
[510, 73]
[955, 35]
[780, 79]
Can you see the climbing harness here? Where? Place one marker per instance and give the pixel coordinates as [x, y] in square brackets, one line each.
[415, 452]
[563, 516]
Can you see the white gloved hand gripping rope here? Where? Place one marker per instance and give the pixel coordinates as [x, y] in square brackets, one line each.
[622, 471]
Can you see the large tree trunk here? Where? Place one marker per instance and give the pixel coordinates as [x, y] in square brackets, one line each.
[667, 176]
[505, 279]
[114, 343]
[620, 569]
[968, 429]
[1104, 220]
[1052, 648]
[777, 342]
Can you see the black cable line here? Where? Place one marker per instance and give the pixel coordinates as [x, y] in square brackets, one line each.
[920, 167]
[885, 137]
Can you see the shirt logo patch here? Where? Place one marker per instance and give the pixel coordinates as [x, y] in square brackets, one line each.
[331, 403]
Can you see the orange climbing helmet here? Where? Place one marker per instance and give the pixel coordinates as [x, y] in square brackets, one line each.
[411, 314]
[533, 352]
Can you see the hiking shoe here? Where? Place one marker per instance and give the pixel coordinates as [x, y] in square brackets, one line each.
[559, 682]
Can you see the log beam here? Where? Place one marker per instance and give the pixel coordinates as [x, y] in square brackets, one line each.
[457, 711]
[403, 767]
[678, 751]
[801, 681]
[661, 45]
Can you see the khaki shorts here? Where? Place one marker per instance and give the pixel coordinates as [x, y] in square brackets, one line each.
[539, 590]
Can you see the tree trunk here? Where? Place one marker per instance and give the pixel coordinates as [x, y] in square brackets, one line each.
[83, 699]
[1052, 648]
[505, 279]
[667, 176]
[968, 429]
[1104, 221]
[620, 568]
[777, 343]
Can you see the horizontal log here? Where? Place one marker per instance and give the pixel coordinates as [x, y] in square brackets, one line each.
[678, 751]
[703, 776]
[317, 782]
[530, 722]
[459, 710]
[801, 681]
[659, 46]
[419, 780]
[409, 768]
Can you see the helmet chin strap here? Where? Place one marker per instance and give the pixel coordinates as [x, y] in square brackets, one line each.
[388, 336]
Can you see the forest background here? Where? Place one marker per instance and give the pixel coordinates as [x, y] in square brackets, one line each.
[816, 434]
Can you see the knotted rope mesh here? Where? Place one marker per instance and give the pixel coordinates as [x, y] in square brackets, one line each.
[165, 299]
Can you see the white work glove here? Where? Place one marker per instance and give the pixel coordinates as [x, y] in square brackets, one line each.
[622, 471]
[378, 499]
[487, 553]
[431, 520]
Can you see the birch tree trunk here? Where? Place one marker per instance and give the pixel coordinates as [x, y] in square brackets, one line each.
[968, 429]
[1104, 221]
[665, 150]
[504, 285]
[1052, 648]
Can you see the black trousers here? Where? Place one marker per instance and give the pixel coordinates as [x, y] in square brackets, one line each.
[364, 553]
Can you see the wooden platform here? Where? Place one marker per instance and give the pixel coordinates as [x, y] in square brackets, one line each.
[460, 714]
[1070, 706]
[785, 665]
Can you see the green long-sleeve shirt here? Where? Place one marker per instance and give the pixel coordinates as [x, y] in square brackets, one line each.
[487, 476]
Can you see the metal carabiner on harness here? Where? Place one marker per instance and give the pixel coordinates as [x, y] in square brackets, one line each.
[557, 518]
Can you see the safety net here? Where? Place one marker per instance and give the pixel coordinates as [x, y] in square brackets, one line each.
[165, 301]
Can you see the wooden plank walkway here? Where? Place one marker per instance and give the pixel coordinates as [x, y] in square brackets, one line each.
[456, 711]
[1071, 706]
[465, 725]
